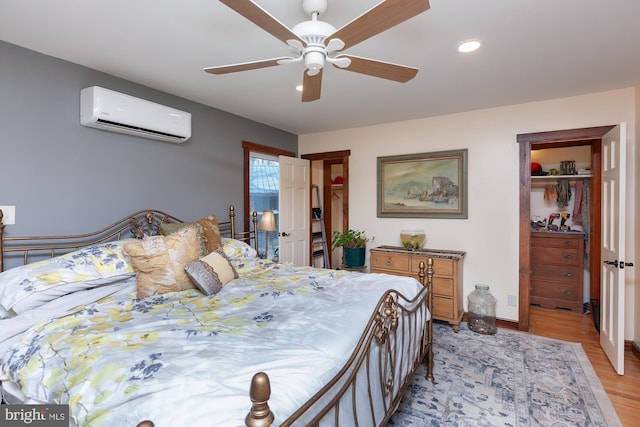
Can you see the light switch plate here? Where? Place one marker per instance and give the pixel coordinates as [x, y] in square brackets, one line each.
[9, 215]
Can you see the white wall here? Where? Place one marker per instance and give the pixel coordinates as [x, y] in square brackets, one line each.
[490, 234]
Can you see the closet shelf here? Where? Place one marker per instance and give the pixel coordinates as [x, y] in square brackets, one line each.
[543, 181]
[556, 177]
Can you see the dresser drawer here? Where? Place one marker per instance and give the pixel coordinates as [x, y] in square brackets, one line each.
[555, 255]
[441, 266]
[443, 308]
[556, 273]
[558, 240]
[443, 286]
[556, 291]
[390, 262]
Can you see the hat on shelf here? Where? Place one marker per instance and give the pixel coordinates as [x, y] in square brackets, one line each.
[536, 167]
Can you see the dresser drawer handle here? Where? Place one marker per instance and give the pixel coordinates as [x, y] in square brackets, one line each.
[568, 256]
[568, 275]
[389, 262]
[567, 292]
[568, 243]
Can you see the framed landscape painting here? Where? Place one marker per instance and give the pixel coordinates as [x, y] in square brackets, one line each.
[426, 185]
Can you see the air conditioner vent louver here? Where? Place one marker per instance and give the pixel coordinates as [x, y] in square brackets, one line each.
[133, 116]
[137, 129]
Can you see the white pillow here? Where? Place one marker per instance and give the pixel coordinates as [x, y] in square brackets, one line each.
[30, 286]
[237, 249]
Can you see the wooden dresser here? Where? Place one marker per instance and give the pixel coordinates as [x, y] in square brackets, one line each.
[447, 276]
[557, 264]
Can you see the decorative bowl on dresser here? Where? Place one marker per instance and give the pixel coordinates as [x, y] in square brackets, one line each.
[447, 276]
[557, 263]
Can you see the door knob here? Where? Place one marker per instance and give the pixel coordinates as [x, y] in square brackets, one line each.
[614, 263]
[285, 234]
[625, 264]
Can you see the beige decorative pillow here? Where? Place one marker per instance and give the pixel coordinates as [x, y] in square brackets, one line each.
[211, 272]
[211, 232]
[170, 228]
[159, 261]
[208, 232]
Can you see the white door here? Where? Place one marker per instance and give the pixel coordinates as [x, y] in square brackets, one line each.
[294, 207]
[613, 233]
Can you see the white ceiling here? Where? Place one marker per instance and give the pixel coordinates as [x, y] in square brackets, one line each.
[533, 50]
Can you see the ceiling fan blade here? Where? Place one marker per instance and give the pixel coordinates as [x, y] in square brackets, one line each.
[244, 66]
[263, 19]
[381, 17]
[384, 70]
[311, 86]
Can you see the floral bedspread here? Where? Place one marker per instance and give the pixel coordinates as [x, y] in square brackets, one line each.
[187, 359]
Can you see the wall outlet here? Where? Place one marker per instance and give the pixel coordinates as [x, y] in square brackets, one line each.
[9, 215]
[511, 300]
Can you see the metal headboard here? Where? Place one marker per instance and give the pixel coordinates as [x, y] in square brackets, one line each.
[138, 224]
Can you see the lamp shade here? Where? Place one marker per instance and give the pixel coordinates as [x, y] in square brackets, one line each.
[267, 222]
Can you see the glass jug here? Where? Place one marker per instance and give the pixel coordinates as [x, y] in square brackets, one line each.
[482, 311]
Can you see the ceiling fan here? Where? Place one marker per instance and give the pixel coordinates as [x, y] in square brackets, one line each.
[316, 42]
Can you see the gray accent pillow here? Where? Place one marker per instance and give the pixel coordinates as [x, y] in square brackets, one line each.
[210, 273]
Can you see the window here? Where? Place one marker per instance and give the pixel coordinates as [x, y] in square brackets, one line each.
[262, 188]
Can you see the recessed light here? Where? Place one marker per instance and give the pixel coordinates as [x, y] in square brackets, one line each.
[299, 88]
[469, 46]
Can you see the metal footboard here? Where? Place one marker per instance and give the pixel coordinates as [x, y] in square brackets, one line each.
[397, 339]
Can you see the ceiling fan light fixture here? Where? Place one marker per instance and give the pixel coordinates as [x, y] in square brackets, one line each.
[468, 46]
[314, 61]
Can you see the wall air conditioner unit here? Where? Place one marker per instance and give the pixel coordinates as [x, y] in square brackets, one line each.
[109, 110]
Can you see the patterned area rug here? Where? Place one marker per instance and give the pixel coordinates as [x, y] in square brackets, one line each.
[507, 379]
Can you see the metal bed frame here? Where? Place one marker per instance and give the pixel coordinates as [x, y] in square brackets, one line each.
[390, 366]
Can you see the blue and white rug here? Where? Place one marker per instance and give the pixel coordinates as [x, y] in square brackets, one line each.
[508, 379]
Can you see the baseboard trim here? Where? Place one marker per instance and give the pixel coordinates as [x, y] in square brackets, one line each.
[508, 324]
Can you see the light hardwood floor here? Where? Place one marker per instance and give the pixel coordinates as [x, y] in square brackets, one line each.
[623, 391]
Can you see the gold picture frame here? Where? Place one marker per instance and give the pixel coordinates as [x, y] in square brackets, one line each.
[425, 185]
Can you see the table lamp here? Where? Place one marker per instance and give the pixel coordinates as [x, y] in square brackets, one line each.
[267, 224]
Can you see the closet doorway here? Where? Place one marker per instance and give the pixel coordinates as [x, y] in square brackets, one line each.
[591, 137]
[325, 167]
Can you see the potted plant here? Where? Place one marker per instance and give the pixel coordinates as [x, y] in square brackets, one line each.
[353, 244]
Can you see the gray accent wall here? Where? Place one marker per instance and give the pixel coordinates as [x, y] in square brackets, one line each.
[66, 178]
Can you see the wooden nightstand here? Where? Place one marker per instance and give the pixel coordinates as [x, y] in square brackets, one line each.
[447, 276]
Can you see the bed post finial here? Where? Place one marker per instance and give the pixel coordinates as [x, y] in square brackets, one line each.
[254, 221]
[429, 285]
[232, 220]
[260, 414]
